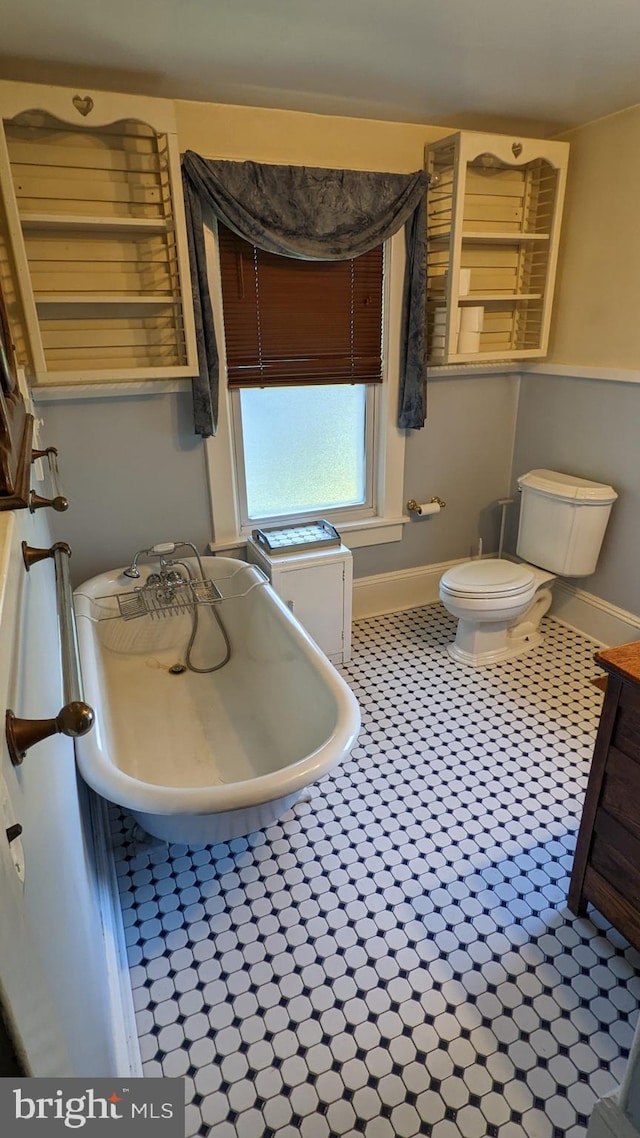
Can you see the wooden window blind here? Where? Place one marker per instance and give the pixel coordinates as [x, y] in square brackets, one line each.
[297, 322]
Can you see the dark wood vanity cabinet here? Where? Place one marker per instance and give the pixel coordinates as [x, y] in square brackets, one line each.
[606, 869]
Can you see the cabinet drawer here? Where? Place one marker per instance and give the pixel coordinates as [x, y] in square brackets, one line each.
[615, 854]
[621, 790]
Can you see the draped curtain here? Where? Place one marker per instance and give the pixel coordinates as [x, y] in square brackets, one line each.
[313, 214]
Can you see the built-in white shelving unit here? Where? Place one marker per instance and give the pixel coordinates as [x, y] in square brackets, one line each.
[94, 235]
[495, 206]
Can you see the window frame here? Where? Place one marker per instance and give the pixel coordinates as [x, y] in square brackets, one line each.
[384, 520]
[342, 513]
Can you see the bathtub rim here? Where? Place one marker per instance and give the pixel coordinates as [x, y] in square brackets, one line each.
[132, 793]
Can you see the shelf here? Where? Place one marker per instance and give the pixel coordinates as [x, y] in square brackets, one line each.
[84, 298]
[493, 227]
[98, 375]
[68, 221]
[498, 356]
[493, 297]
[95, 223]
[493, 238]
[503, 238]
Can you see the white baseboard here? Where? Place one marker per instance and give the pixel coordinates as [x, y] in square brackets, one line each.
[381, 593]
[123, 1020]
[394, 592]
[598, 619]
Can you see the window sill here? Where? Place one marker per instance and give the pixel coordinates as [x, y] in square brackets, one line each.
[371, 531]
[355, 535]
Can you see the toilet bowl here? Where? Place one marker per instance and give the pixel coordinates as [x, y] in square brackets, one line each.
[499, 605]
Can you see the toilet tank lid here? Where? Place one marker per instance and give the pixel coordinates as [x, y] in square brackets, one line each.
[567, 486]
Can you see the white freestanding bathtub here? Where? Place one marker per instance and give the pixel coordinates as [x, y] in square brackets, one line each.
[206, 758]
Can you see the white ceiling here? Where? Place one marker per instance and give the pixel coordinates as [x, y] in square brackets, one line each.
[451, 62]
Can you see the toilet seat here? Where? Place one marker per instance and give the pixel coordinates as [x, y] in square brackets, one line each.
[488, 579]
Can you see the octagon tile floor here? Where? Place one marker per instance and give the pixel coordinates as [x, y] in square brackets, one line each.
[396, 958]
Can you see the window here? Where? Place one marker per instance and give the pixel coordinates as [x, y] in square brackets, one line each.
[303, 342]
[317, 437]
[303, 450]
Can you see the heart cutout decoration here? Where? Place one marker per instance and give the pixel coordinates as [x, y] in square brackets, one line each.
[516, 149]
[83, 104]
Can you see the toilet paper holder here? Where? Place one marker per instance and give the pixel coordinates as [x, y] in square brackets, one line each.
[423, 509]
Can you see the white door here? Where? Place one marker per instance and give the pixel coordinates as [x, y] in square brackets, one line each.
[54, 981]
[27, 1008]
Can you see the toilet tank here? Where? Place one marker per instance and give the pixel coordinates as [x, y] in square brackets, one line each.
[562, 521]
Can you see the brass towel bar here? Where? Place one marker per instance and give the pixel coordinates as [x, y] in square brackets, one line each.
[75, 717]
[58, 502]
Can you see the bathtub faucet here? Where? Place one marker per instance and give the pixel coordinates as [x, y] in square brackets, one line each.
[163, 551]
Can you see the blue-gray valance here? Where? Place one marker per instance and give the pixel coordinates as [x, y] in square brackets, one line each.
[314, 214]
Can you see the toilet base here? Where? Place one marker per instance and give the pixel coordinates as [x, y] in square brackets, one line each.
[508, 651]
[479, 644]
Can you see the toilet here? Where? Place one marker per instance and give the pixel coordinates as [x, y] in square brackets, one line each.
[499, 603]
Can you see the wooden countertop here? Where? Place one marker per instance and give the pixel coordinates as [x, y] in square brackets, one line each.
[625, 660]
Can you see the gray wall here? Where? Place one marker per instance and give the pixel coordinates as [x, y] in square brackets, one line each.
[463, 455]
[135, 474]
[590, 428]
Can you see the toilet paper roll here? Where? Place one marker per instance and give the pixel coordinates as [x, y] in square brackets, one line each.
[472, 318]
[468, 342]
[426, 508]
